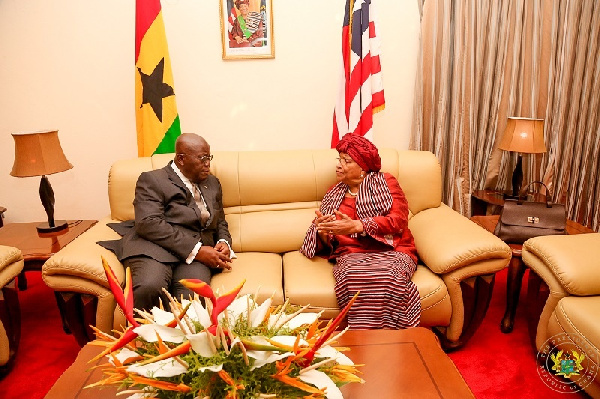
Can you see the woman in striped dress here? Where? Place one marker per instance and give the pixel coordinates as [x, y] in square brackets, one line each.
[362, 224]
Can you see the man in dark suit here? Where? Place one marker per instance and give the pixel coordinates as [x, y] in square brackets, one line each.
[180, 230]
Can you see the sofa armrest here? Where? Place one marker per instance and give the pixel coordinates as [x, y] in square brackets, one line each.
[447, 241]
[466, 256]
[567, 263]
[76, 272]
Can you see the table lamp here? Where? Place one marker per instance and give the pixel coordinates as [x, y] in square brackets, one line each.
[523, 136]
[40, 154]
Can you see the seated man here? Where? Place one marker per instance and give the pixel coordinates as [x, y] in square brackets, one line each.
[179, 231]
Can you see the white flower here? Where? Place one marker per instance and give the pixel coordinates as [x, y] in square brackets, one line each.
[123, 355]
[266, 357]
[201, 344]
[162, 368]
[258, 314]
[161, 316]
[321, 380]
[199, 313]
[332, 353]
[169, 334]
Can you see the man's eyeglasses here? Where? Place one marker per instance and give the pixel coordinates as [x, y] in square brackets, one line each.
[203, 158]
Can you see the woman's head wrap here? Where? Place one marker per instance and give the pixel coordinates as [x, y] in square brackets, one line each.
[361, 150]
[238, 3]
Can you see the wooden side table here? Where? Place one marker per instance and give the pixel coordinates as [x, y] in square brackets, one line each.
[36, 247]
[516, 268]
[480, 199]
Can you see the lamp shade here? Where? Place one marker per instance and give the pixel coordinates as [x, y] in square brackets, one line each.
[523, 135]
[38, 154]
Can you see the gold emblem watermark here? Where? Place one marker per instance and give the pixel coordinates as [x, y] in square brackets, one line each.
[567, 363]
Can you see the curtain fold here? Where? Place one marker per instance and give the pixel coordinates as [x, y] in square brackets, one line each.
[482, 62]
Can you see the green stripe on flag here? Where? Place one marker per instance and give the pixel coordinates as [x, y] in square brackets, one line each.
[167, 144]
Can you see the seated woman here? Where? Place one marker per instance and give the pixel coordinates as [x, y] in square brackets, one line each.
[363, 225]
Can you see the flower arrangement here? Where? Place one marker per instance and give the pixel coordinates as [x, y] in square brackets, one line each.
[228, 346]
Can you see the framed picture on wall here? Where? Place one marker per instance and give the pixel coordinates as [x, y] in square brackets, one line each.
[247, 29]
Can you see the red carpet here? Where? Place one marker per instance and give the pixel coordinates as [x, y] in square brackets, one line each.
[495, 365]
[45, 350]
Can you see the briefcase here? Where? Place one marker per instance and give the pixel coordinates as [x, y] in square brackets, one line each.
[521, 220]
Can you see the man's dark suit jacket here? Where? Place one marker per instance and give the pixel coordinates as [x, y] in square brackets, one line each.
[167, 220]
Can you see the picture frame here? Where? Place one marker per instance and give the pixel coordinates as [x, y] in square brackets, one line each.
[247, 29]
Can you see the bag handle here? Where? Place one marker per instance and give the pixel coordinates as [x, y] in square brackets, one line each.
[523, 193]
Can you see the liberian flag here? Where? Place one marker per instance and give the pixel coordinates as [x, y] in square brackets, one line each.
[156, 114]
[361, 88]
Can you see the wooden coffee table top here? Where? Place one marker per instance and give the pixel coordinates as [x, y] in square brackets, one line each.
[397, 363]
[402, 364]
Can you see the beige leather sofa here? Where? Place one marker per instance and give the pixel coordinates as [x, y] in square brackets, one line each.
[570, 266]
[269, 200]
[11, 264]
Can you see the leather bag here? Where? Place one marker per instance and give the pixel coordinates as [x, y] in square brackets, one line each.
[520, 219]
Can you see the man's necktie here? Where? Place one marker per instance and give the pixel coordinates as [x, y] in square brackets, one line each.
[204, 214]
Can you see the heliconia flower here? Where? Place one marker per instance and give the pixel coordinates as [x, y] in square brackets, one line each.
[124, 298]
[345, 373]
[219, 304]
[325, 336]
[128, 336]
[283, 370]
[169, 386]
[229, 381]
[179, 350]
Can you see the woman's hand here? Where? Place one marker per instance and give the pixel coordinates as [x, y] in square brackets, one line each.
[342, 226]
[322, 219]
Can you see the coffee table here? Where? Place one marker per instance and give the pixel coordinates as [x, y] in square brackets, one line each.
[397, 364]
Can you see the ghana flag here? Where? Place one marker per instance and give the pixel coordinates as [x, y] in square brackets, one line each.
[156, 114]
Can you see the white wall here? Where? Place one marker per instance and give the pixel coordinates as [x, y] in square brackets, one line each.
[69, 65]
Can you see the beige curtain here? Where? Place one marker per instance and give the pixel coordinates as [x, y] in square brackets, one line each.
[481, 62]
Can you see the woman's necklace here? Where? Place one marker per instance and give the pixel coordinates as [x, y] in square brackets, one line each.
[351, 193]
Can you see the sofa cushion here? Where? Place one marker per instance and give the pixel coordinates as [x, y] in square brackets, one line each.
[310, 281]
[262, 272]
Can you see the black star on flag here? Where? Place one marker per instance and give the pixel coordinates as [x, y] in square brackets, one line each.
[154, 89]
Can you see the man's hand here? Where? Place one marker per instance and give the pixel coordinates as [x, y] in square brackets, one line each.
[223, 248]
[342, 226]
[213, 258]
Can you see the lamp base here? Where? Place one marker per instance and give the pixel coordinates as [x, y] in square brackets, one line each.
[58, 226]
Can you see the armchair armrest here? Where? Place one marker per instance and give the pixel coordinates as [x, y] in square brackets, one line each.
[568, 264]
[76, 272]
[467, 257]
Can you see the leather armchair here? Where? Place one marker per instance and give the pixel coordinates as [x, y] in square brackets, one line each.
[569, 265]
[11, 264]
[269, 200]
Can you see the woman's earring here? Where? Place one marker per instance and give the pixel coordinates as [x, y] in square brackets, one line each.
[362, 175]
